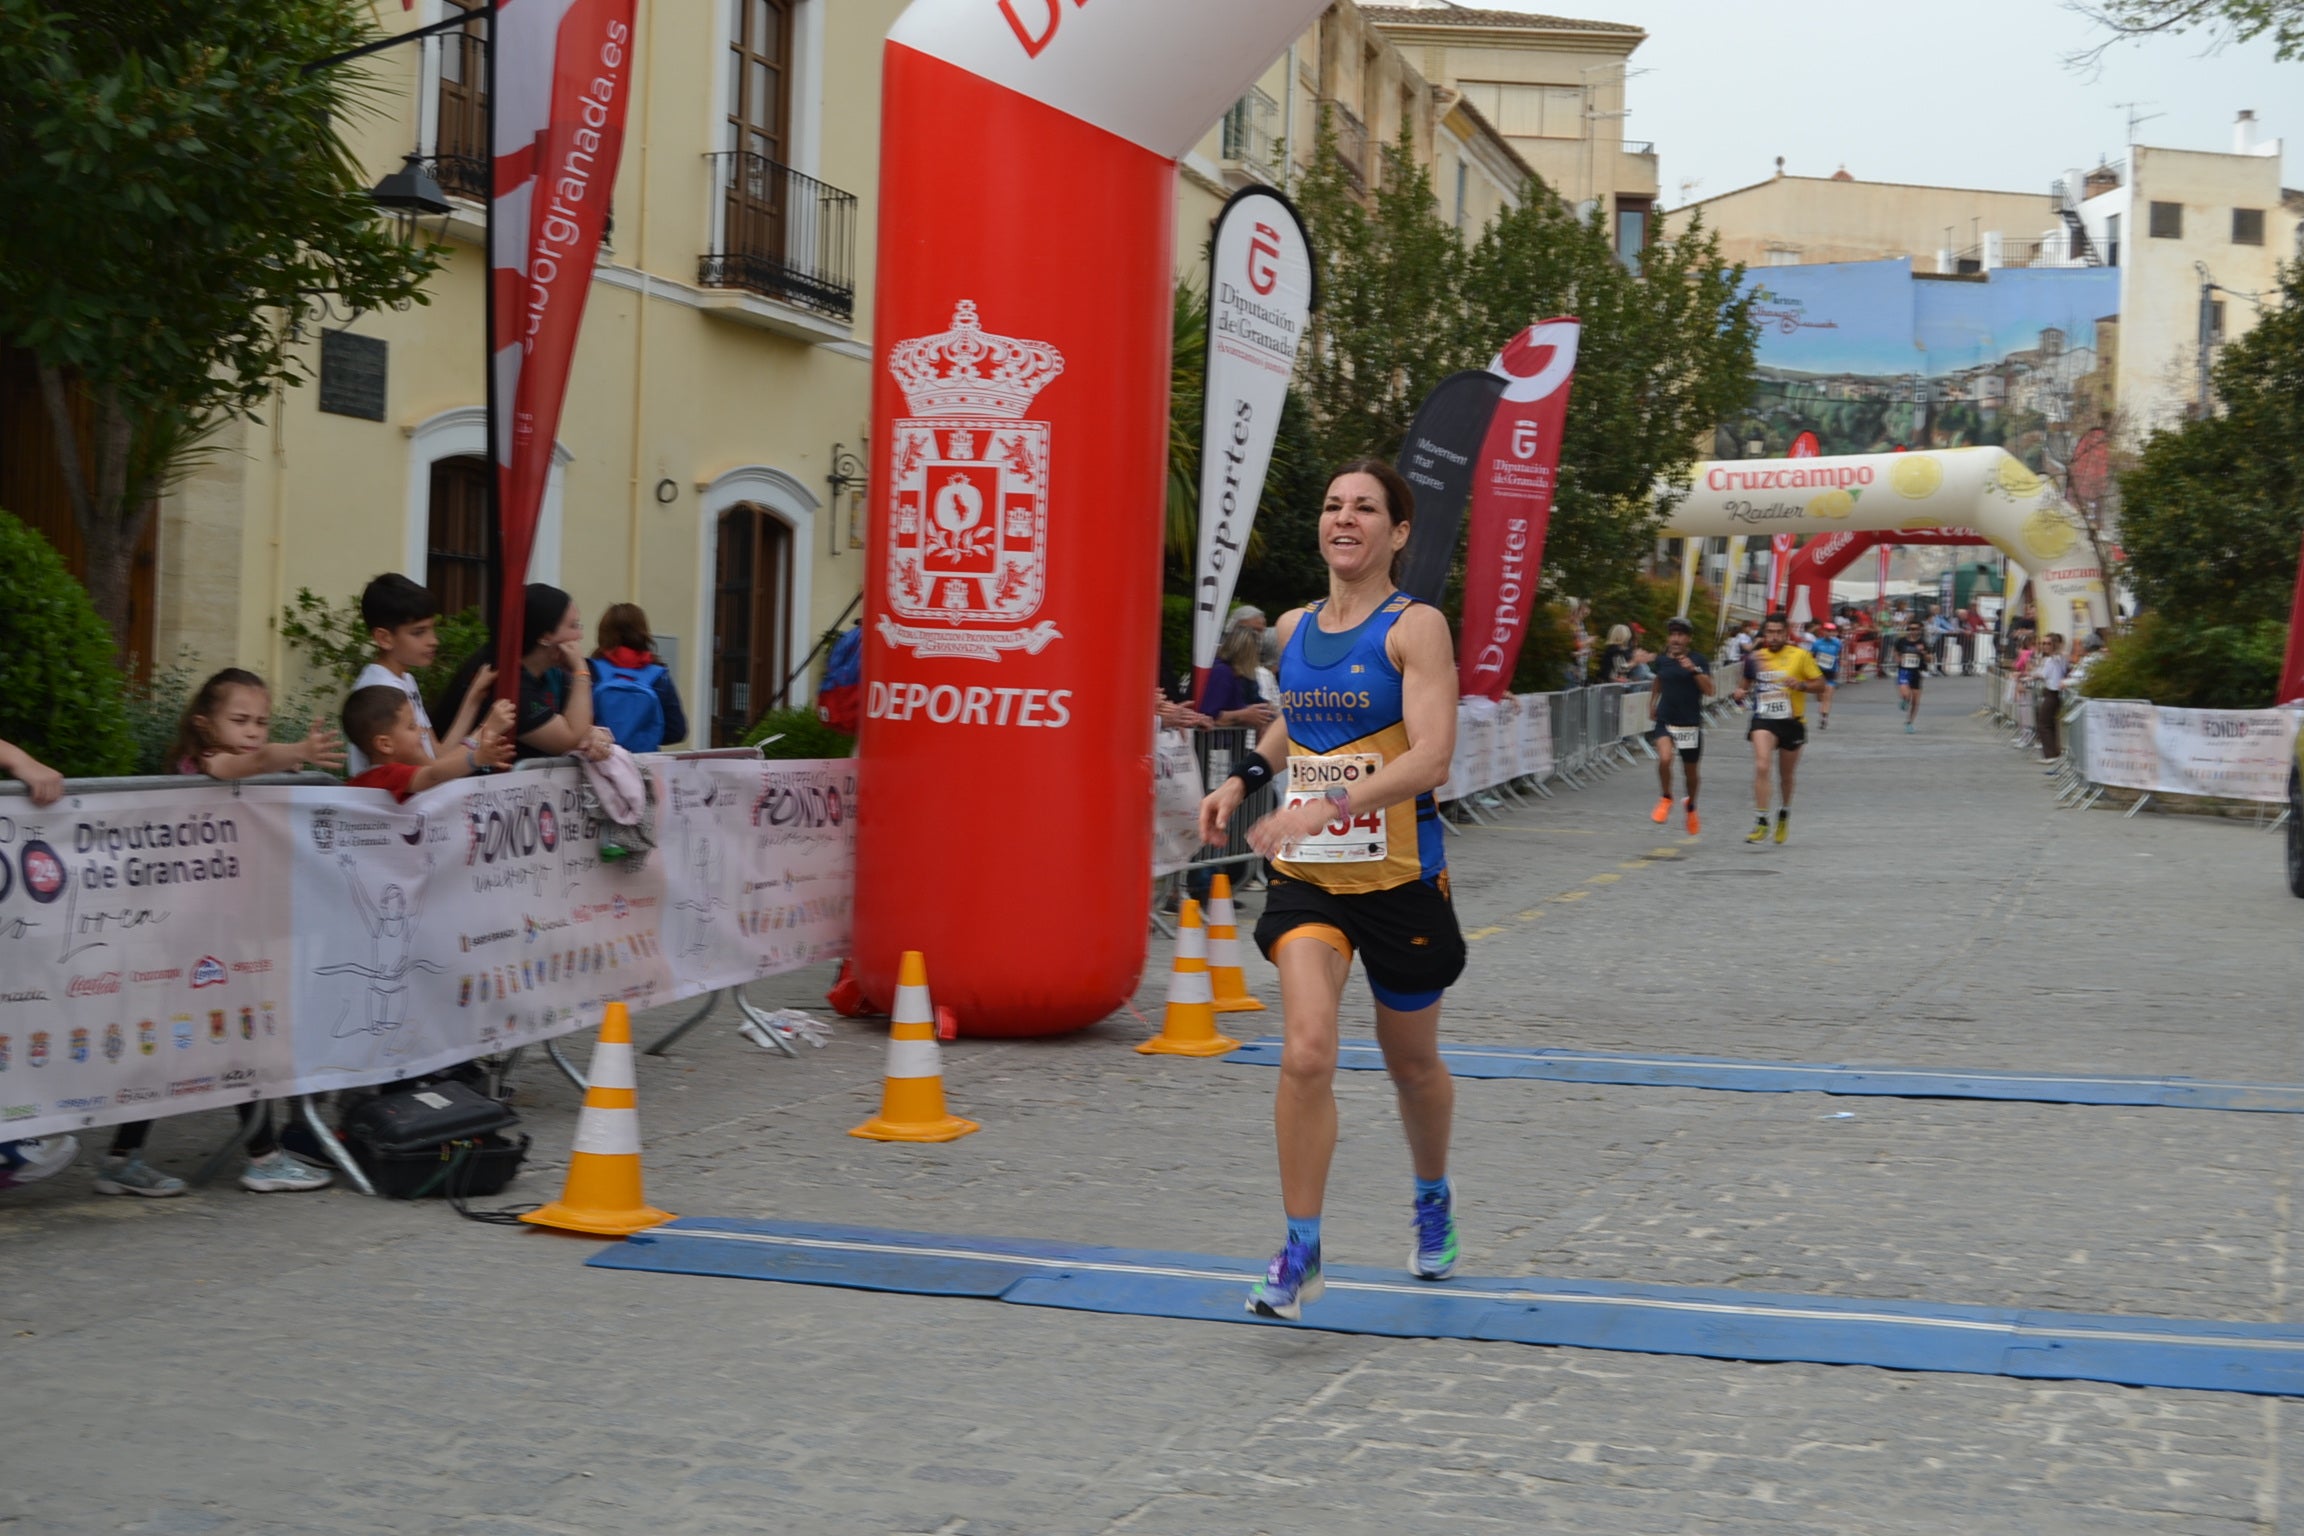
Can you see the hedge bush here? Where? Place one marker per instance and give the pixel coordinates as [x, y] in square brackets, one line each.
[799, 734]
[61, 694]
[2191, 666]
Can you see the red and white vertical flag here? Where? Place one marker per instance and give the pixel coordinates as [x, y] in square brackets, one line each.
[1880, 587]
[1780, 547]
[1512, 503]
[561, 72]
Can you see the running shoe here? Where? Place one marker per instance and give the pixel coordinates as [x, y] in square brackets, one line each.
[1292, 1280]
[1694, 825]
[1434, 1257]
[282, 1173]
[28, 1162]
[1663, 811]
[1823, 722]
[1759, 832]
[134, 1176]
[1783, 825]
[1909, 727]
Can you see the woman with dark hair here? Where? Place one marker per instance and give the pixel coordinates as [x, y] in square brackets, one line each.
[1366, 730]
[632, 692]
[553, 715]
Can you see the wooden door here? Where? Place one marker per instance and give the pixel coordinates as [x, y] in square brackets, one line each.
[751, 608]
[759, 127]
[460, 541]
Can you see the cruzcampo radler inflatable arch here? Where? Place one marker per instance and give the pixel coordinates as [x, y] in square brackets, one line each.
[1019, 429]
[1986, 490]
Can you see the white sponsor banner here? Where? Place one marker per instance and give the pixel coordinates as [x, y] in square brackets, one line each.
[2118, 746]
[238, 945]
[1176, 797]
[144, 955]
[1260, 297]
[1498, 740]
[2233, 754]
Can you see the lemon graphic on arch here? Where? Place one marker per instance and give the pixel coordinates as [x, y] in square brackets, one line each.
[1832, 504]
[1916, 475]
[2016, 480]
[2048, 533]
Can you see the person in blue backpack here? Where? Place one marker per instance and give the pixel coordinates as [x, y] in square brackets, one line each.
[632, 692]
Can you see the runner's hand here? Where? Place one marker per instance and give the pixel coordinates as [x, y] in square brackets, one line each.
[1216, 810]
[1281, 831]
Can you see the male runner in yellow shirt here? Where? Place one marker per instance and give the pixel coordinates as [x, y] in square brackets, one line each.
[1777, 674]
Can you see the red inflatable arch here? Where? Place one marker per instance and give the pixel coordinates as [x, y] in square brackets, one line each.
[1825, 556]
[1019, 433]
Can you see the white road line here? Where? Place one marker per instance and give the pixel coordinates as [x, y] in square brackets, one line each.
[1571, 1298]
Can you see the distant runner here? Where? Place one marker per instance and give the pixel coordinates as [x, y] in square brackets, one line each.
[1911, 671]
[1826, 650]
[1776, 676]
[1676, 700]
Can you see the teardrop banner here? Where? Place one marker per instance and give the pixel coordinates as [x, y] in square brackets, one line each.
[1512, 503]
[1438, 459]
[560, 72]
[1022, 316]
[1261, 292]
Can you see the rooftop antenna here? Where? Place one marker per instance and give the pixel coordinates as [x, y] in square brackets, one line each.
[2136, 118]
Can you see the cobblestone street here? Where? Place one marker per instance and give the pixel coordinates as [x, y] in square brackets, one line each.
[325, 1365]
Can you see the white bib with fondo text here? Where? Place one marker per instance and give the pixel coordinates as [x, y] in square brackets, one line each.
[1359, 839]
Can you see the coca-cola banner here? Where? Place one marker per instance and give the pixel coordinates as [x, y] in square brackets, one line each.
[1437, 460]
[1512, 503]
[175, 949]
[1260, 293]
[559, 71]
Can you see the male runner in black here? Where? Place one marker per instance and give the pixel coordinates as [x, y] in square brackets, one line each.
[1911, 671]
[1676, 702]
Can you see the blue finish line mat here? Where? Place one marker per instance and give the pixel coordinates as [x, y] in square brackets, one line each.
[1651, 1071]
[1585, 1314]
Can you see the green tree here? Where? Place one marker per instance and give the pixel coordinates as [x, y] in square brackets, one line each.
[64, 703]
[2213, 512]
[183, 201]
[1666, 352]
[2228, 20]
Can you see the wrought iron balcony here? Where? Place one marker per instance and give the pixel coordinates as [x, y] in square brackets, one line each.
[782, 235]
[1351, 141]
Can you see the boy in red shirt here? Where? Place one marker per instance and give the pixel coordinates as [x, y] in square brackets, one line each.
[382, 723]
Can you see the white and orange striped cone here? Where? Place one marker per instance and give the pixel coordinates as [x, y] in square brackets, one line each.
[912, 1099]
[1189, 1026]
[602, 1194]
[1224, 951]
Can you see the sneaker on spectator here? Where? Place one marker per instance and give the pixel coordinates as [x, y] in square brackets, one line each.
[134, 1176]
[28, 1162]
[282, 1173]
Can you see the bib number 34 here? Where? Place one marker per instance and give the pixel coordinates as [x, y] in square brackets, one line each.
[1358, 839]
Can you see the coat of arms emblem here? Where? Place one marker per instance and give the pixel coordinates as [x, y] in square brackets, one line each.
[968, 482]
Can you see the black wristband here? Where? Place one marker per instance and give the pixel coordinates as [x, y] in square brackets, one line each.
[1253, 771]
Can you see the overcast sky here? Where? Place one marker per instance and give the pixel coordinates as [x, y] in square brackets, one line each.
[1970, 93]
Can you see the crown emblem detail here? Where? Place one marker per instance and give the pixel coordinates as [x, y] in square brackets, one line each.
[965, 372]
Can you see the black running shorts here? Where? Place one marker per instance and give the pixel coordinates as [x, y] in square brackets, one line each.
[1791, 735]
[1406, 936]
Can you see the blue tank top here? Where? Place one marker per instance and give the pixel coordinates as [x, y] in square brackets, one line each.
[1340, 693]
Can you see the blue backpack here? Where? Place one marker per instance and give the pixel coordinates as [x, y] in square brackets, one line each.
[624, 699]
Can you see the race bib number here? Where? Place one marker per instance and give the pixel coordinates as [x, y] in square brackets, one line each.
[1359, 839]
[1775, 706]
[1687, 738]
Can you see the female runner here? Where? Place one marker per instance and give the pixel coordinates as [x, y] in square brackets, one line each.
[1366, 730]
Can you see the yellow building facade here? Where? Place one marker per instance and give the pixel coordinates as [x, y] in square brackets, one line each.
[724, 364]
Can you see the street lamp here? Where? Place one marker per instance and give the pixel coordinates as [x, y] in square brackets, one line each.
[409, 194]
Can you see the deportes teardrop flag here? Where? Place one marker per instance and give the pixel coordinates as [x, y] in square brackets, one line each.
[1261, 291]
[558, 72]
[1512, 503]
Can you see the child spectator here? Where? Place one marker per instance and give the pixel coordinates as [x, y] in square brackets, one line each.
[554, 714]
[632, 692]
[401, 616]
[226, 734]
[23, 1162]
[381, 719]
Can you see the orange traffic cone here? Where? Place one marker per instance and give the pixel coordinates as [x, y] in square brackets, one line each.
[1224, 952]
[912, 1102]
[602, 1194]
[1189, 1028]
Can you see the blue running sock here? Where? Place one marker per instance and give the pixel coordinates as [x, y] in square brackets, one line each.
[1305, 1230]
[1431, 1189]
